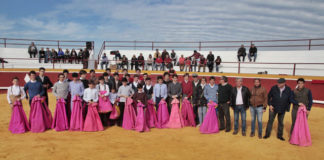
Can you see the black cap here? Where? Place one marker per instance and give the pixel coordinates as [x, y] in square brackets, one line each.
[281, 80]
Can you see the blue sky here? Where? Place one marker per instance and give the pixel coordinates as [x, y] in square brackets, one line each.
[162, 20]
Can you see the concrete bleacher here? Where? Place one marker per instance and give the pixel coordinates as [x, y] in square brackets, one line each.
[305, 56]
[22, 60]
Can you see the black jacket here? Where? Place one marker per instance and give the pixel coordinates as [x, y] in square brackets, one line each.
[281, 103]
[195, 93]
[45, 81]
[252, 51]
[241, 51]
[245, 96]
[202, 101]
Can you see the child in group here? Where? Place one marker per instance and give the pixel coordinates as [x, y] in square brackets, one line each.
[92, 121]
[76, 89]
[113, 97]
[15, 94]
[104, 105]
[140, 100]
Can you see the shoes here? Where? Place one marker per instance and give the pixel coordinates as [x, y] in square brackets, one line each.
[235, 132]
[243, 134]
[227, 130]
[252, 134]
[220, 129]
[260, 136]
[266, 136]
[281, 138]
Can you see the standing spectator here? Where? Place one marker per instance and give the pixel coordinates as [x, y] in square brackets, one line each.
[104, 61]
[174, 57]
[253, 52]
[155, 56]
[73, 56]
[224, 99]
[196, 58]
[188, 64]
[32, 50]
[259, 102]
[48, 55]
[54, 56]
[149, 62]
[167, 62]
[67, 56]
[46, 82]
[218, 61]
[181, 63]
[158, 63]
[80, 55]
[241, 53]
[210, 61]
[304, 97]
[134, 62]
[240, 103]
[60, 55]
[124, 62]
[141, 61]
[85, 58]
[160, 92]
[41, 54]
[202, 63]
[164, 54]
[118, 55]
[280, 98]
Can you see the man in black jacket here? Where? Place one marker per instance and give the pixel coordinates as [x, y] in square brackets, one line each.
[241, 53]
[210, 61]
[224, 99]
[279, 99]
[240, 103]
[253, 53]
[46, 82]
[195, 95]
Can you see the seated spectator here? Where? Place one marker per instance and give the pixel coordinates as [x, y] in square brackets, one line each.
[253, 52]
[167, 62]
[32, 50]
[188, 64]
[2, 60]
[218, 61]
[54, 55]
[164, 54]
[149, 62]
[104, 61]
[124, 62]
[172, 72]
[140, 60]
[134, 62]
[80, 54]
[241, 53]
[174, 57]
[73, 56]
[181, 63]
[118, 55]
[158, 63]
[210, 61]
[194, 63]
[66, 55]
[196, 58]
[202, 63]
[60, 55]
[48, 55]
[155, 56]
[41, 55]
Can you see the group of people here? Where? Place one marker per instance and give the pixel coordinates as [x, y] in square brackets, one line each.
[253, 52]
[135, 103]
[165, 60]
[52, 56]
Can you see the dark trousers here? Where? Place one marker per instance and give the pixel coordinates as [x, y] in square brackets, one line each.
[120, 119]
[157, 101]
[272, 116]
[211, 67]
[224, 112]
[239, 57]
[104, 117]
[195, 109]
[32, 54]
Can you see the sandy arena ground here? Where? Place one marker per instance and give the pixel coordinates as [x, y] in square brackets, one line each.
[186, 143]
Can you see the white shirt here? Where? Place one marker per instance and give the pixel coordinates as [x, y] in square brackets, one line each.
[239, 98]
[196, 83]
[281, 90]
[101, 87]
[148, 87]
[90, 94]
[15, 90]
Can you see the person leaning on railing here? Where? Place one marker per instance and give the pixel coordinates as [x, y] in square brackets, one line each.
[66, 55]
[174, 57]
[202, 63]
[54, 56]
[210, 61]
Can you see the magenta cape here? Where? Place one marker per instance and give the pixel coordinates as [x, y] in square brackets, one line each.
[150, 114]
[129, 115]
[301, 134]
[140, 124]
[210, 123]
[104, 104]
[162, 115]
[187, 113]
[175, 120]
[60, 121]
[92, 121]
[40, 117]
[76, 121]
[18, 122]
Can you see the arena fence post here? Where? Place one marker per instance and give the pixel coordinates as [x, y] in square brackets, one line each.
[5, 42]
[239, 67]
[152, 46]
[294, 70]
[58, 45]
[309, 44]
[199, 46]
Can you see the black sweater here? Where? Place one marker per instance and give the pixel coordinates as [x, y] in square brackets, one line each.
[224, 93]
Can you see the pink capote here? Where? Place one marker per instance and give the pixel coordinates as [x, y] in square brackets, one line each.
[114, 113]
[162, 115]
[92, 121]
[60, 121]
[18, 122]
[301, 134]
[210, 123]
[150, 114]
[76, 121]
[187, 113]
[140, 124]
[129, 115]
[175, 120]
[40, 117]
[104, 105]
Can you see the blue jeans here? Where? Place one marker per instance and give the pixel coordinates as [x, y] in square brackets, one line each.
[250, 57]
[256, 112]
[237, 110]
[202, 113]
